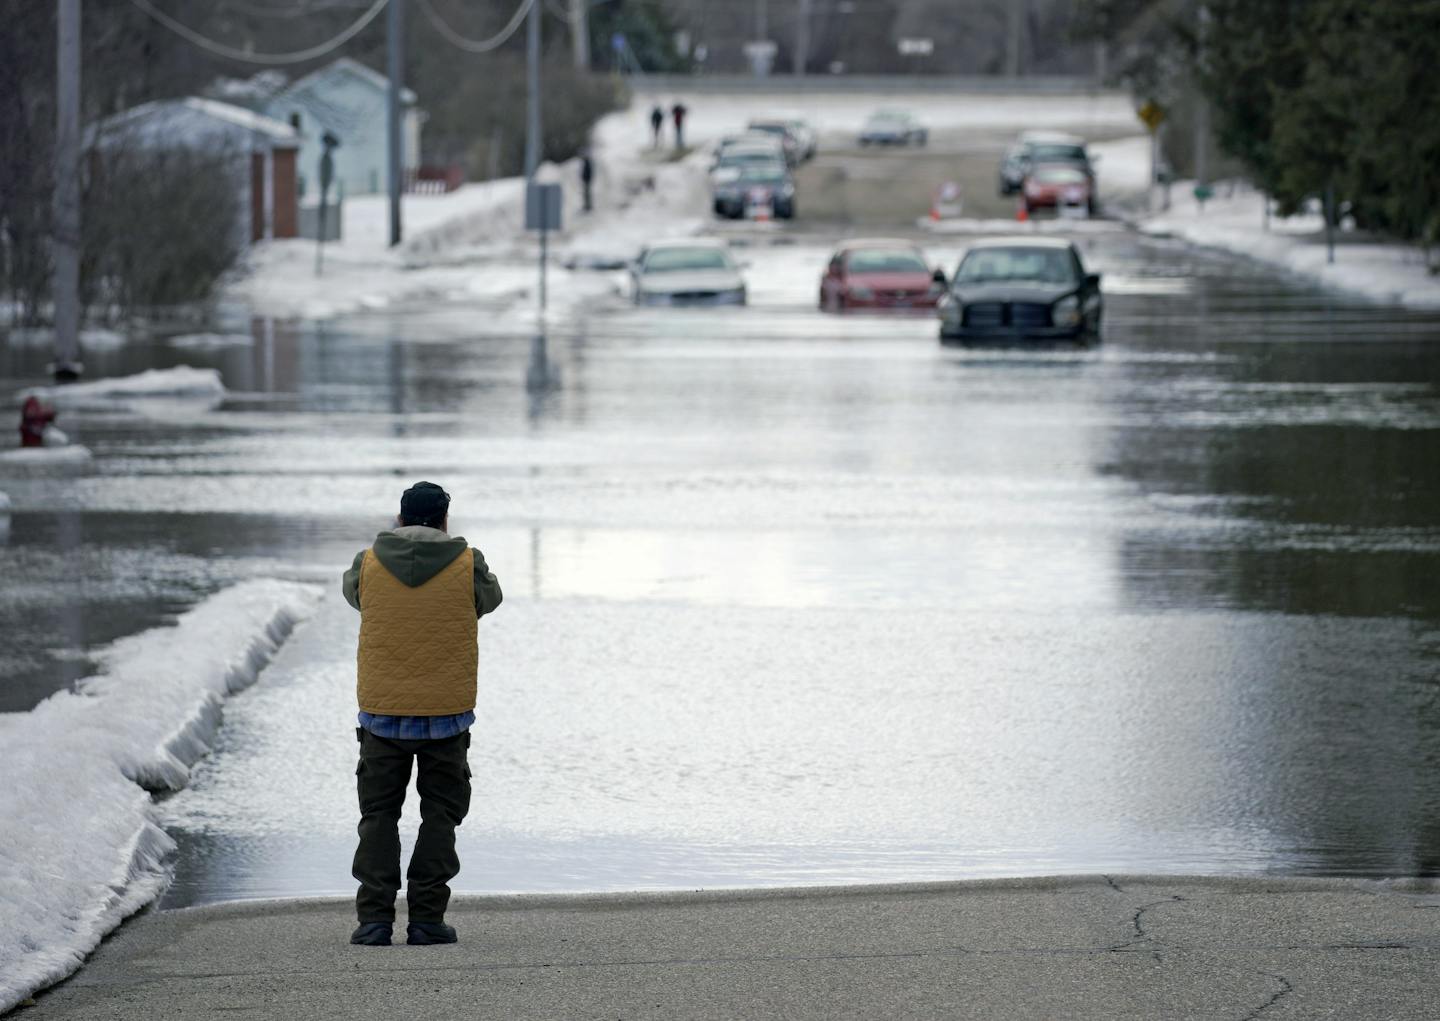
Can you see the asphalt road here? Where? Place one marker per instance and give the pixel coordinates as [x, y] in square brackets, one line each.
[1105, 947]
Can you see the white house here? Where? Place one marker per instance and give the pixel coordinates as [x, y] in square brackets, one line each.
[349, 100]
[259, 150]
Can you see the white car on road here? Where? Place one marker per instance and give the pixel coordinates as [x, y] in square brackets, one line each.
[690, 271]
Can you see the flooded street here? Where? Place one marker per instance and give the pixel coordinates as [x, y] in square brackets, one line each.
[796, 598]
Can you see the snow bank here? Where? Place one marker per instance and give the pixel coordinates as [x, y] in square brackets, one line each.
[1122, 166]
[180, 381]
[1234, 221]
[209, 341]
[80, 849]
[45, 460]
[712, 115]
[44, 336]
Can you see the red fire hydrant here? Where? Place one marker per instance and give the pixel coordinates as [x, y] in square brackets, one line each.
[34, 417]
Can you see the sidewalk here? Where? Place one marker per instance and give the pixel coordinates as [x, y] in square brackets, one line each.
[1145, 947]
[1234, 221]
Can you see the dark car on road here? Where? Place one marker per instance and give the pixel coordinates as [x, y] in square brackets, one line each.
[879, 273]
[1021, 289]
[760, 183]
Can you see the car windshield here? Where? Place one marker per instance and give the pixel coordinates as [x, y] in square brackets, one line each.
[1058, 153]
[1042, 265]
[764, 173]
[748, 156]
[769, 129]
[1059, 175]
[888, 117]
[671, 260]
[886, 260]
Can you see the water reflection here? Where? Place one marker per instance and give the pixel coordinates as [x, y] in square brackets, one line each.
[836, 603]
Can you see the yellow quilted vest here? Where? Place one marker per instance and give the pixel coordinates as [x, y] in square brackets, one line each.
[418, 654]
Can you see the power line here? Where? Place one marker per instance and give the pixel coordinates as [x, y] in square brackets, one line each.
[298, 56]
[477, 45]
[291, 10]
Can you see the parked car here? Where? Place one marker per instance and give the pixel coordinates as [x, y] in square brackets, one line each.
[742, 149]
[879, 273]
[804, 133]
[794, 151]
[893, 127]
[691, 271]
[1021, 289]
[1058, 186]
[1035, 147]
[754, 183]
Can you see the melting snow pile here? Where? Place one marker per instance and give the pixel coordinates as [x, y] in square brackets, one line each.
[179, 381]
[1235, 220]
[45, 460]
[210, 341]
[80, 849]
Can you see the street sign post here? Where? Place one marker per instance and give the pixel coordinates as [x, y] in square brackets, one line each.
[327, 175]
[1152, 114]
[542, 213]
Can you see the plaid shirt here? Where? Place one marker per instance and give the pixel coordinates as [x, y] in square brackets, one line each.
[417, 728]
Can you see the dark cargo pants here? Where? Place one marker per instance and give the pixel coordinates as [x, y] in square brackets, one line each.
[443, 782]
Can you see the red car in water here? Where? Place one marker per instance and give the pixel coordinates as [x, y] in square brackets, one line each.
[879, 274]
[1059, 186]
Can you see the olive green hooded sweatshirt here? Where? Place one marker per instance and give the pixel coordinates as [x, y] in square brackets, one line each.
[414, 554]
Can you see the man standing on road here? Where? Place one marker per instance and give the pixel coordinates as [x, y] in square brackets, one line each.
[420, 594]
[587, 177]
[657, 120]
[678, 112]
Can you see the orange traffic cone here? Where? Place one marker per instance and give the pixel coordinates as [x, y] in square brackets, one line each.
[1021, 213]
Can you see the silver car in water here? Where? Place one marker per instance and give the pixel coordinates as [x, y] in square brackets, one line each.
[692, 271]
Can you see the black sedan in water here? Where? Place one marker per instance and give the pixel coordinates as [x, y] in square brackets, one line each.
[1021, 289]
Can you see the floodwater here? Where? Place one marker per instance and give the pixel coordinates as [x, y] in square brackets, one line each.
[793, 598]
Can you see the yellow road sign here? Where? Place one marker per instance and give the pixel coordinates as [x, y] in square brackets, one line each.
[1152, 113]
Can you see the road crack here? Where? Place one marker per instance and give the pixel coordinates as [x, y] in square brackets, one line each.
[1285, 990]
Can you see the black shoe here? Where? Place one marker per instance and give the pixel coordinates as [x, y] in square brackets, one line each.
[422, 934]
[372, 934]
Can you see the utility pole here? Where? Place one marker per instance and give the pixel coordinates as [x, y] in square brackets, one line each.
[532, 92]
[802, 39]
[1016, 10]
[762, 19]
[580, 33]
[1202, 111]
[65, 283]
[395, 67]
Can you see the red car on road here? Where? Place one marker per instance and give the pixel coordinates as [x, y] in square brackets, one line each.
[879, 274]
[1058, 186]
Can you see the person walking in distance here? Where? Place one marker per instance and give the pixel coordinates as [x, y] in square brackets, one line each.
[657, 121]
[587, 177]
[420, 593]
[678, 112]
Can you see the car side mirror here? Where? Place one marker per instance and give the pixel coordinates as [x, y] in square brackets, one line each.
[1092, 280]
[938, 276]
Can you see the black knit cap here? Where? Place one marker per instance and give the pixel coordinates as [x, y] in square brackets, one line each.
[424, 503]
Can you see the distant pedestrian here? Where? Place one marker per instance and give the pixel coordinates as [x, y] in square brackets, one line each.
[587, 176]
[35, 417]
[677, 113]
[420, 593]
[657, 121]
